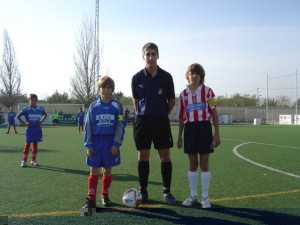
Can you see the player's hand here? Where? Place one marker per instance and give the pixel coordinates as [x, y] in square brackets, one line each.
[216, 140]
[89, 152]
[114, 150]
[179, 142]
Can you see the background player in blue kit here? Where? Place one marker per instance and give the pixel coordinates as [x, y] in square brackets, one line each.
[11, 120]
[103, 135]
[80, 118]
[34, 117]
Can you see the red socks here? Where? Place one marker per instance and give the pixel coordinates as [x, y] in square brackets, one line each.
[106, 182]
[26, 151]
[34, 151]
[92, 186]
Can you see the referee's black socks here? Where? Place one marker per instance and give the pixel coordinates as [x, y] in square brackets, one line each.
[143, 170]
[166, 173]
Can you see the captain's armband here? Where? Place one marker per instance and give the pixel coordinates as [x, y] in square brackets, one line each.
[211, 102]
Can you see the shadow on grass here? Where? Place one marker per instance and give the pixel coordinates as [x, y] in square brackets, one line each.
[149, 214]
[217, 216]
[117, 177]
[62, 170]
[19, 150]
[263, 216]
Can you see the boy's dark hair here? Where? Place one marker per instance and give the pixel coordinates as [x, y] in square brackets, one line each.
[150, 45]
[196, 68]
[33, 96]
[106, 81]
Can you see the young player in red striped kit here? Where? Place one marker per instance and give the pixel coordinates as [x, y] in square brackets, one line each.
[103, 135]
[196, 106]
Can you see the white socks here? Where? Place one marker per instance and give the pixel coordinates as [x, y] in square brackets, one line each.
[205, 180]
[193, 183]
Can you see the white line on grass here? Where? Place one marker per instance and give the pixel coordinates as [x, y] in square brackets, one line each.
[259, 143]
[235, 151]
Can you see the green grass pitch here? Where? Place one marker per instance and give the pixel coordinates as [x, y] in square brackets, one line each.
[255, 180]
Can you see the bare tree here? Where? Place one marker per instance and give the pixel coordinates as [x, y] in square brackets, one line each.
[84, 82]
[9, 75]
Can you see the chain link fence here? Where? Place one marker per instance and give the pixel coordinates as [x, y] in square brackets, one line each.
[248, 114]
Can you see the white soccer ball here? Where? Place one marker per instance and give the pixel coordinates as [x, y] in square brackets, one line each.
[132, 198]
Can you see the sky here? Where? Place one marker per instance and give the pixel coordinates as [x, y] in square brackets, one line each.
[245, 46]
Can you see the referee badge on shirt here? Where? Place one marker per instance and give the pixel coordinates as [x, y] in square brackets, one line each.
[160, 91]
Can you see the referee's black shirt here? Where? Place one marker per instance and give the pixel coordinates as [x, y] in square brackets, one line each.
[152, 93]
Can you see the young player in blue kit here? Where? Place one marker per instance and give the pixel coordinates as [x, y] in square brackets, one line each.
[103, 135]
[34, 117]
[11, 120]
[80, 117]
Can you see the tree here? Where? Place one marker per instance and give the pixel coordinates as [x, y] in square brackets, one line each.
[9, 75]
[56, 97]
[284, 101]
[84, 82]
[237, 100]
[118, 95]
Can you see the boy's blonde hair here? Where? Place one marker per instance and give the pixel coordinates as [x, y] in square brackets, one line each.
[106, 81]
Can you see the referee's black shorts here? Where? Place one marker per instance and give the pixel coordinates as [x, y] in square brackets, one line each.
[198, 138]
[156, 129]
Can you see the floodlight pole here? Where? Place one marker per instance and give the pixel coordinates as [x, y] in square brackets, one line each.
[296, 105]
[267, 103]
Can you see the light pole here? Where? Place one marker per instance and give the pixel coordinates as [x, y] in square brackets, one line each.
[296, 105]
[267, 103]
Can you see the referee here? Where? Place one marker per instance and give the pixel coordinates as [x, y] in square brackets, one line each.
[153, 99]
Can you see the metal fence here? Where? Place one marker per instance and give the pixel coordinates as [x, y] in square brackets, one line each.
[248, 114]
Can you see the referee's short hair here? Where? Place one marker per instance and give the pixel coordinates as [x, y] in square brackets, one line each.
[151, 46]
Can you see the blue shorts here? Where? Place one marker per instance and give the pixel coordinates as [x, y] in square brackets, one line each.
[34, 134]
[11, 123]
[101, 155]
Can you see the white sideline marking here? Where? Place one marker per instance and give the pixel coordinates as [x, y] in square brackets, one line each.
[259, 143]
[235, 151]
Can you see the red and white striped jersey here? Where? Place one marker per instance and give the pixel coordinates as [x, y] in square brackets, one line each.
[195, 107]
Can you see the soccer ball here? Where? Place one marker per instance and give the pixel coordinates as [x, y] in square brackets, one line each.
[132, 198]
